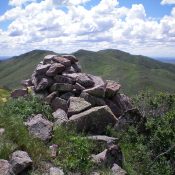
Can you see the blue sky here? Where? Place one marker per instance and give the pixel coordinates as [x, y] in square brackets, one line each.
[144, 27]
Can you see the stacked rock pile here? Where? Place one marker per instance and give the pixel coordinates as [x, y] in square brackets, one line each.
[88, 101]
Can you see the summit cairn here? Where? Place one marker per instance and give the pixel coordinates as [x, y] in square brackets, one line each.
[87, 101]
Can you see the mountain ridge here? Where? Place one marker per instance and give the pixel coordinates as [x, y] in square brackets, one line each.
[134, 72]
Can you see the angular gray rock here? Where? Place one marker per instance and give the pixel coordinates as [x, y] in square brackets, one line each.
[20, 161]
[59, 103]
[79, 87]
[112, 88]
[56, 171]
[55, 69]
[60, 117]
[5, 167]
[102, 138]
[94, 120]
[26, 83]
[50, 97]
[117, 170]
[77, 105]
[95, 101]
[42, 69]
[99, 87]
[66, 62]
[43, 84]
[48, 59]
[69, 70]
[77, 67]
[99, 158]
[40, 127]
[72, 58]
[84, 80]
[63, 79]
[62, 87]
[19, 93]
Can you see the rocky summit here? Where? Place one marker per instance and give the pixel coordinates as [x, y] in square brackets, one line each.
[87, 102]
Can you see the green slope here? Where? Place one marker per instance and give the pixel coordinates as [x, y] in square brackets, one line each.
[135, 73]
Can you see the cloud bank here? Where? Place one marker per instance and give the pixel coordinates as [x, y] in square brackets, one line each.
[67, 25]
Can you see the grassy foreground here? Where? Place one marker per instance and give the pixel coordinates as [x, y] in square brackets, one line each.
[148, 153]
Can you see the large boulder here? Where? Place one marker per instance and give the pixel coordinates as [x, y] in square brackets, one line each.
[20, 161]
[5, 167]
[40, 127]
[77, 105]
[94, 120]
[19, 93]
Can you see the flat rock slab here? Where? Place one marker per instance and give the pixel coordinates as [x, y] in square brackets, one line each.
[40, 127]
[112, 88]
[19, 93]
[94, 120]
[103, 138]
[55, 69]
[66, 62]
[77, 105]
[5, 167]
[20, 161]
[62, 87]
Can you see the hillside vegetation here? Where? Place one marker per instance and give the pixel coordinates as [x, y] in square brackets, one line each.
[135, 73]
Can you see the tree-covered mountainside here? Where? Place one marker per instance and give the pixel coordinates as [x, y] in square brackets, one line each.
[134, 72]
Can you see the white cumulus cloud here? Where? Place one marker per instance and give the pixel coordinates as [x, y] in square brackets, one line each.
[163, 2]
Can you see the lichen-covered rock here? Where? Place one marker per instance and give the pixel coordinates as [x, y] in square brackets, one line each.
[5, 167]
[19, 93]
[77, 105]
[94, 120]
[20, 161]
[40, 127]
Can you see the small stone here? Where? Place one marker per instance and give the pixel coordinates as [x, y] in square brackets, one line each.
[42, 69]
[62, 87]
[5, 167]
[26, 83]
[62, 60]
[50, 97]
[48, 59]
[72, 58]
[112, 88]
[43, 84]
[59, 103]
[56, 171]
[84, 80]
[63, 79]
[20, 161]
[19, 93]
[2, 130]
[55, 69]
[77, 105]
[53, 150]
[117, 170]
[40, 127]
